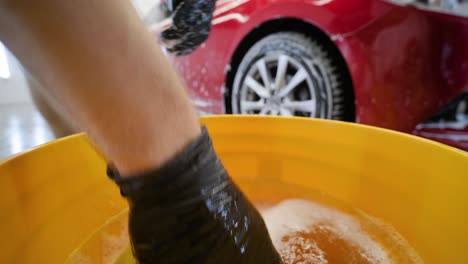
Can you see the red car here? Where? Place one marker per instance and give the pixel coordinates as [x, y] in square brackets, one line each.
[401, 65]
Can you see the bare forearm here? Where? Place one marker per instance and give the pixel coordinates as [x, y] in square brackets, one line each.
[108, 72]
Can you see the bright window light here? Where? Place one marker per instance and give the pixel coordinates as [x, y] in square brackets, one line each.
[4, 69]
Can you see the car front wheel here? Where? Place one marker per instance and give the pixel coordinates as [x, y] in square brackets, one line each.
[290, 74]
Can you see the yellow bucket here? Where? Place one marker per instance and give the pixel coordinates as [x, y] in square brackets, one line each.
[57, 204]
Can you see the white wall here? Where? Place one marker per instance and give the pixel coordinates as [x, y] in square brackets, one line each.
[13, 89]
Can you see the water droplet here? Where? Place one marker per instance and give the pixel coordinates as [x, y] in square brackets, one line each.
[242, 249]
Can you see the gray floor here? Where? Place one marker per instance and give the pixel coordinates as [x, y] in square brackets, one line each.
[21, 128]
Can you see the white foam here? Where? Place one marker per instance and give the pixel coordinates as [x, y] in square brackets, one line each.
[310, 253]
[292, 216]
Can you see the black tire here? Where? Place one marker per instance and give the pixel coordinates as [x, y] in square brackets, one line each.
[331, 83]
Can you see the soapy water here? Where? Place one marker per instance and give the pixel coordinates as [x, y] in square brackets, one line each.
[306, 228]
[309, 232]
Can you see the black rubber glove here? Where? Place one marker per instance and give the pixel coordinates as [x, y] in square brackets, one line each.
[189, 211]
[190, 27]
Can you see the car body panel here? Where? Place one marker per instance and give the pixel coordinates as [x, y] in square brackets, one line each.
[406, 65]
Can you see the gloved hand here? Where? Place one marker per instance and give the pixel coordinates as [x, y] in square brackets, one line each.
[190, 27]
[189, 211]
